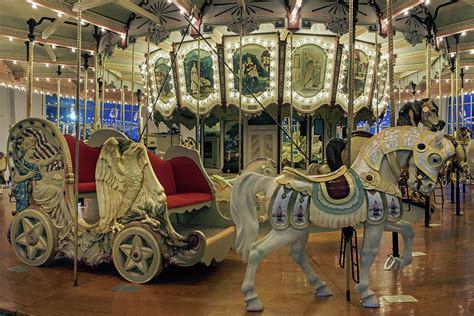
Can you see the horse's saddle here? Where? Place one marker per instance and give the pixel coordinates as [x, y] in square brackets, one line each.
[337, 194]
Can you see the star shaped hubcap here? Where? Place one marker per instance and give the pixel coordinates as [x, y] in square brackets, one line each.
[136, 254]
[33, 237]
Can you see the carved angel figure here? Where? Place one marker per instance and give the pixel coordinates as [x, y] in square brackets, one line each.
[126, 184]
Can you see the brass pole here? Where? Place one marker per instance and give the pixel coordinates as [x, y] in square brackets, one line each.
[377, 88]
[350, 81]
[122, 107]
[84, 119]
[76, 164]
[102, 97]
[148, 88]
[97, 123]
[132, 91]
[199, 132]
[58, 103]
[428, 69]
[391, 62]
[440, 70]
[240, 138]
[452, 103]
[29, 90]
[458, 88]
[290, 123]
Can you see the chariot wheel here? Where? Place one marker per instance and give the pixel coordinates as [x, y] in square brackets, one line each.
[136, 254]
[33, 237]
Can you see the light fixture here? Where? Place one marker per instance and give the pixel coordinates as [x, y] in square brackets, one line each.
[10, 39]
[47, 79]
[73, 50]
[34, 6]
[102, 30]
[405, 12]
[15, 62]
[60, 14]
[47, 65]
[463, 33]
[53, 46]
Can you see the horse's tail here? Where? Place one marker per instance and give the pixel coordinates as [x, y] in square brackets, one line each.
[334, 150]
[243, 208]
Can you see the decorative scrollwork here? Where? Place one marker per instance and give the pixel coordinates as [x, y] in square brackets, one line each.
[248, 25]
[414, 36]
[338, 24]
[157, 34]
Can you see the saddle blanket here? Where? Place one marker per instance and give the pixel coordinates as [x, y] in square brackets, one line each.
[337, 202]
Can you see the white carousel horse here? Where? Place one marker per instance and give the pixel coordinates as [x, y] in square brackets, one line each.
[343, 198]
[223, 186]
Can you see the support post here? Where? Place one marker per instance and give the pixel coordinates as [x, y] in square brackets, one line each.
[58, 97]
[458, 197]
[76, 163]
[427, 211]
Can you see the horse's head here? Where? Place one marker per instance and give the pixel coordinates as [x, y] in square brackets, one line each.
[430, 152]
[429, 115]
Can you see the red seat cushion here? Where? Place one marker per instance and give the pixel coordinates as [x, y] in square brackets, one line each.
[87, 187]
[88, 157]
[188, 176]
[164, 172]
[185, 199]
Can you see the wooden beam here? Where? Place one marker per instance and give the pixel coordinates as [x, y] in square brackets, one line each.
[90, 4]
[401, 6]
[455, 28]
[463, 47]
[186, 6]
[65, 8]
[71, 62]
[50, 52]
[129, 5]
[54, 26]
[21, 34]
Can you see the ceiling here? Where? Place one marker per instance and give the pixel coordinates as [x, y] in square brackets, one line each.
[120, 19]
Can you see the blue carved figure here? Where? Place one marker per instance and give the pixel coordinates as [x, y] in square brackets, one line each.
[26, 171]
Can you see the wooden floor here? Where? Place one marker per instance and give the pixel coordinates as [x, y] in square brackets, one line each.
[442, 281]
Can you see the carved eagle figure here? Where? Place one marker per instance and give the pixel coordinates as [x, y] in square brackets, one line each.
[126, 182]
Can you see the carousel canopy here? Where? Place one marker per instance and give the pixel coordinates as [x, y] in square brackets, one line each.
[306, 67]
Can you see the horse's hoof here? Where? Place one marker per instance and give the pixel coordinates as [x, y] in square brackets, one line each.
[323, 291]
[370, 302]
[254, 305]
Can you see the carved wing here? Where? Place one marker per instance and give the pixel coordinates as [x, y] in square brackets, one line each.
[118, 180]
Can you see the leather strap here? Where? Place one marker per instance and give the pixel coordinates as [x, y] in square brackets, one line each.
[393, 163]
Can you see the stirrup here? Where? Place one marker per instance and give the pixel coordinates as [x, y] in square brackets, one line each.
[390, 262]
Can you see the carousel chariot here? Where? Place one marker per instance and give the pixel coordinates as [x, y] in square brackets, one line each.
[139, 211]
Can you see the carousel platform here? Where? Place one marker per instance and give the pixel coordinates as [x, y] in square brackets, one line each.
[442, 280]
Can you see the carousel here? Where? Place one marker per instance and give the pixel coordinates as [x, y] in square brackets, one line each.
[145, 136]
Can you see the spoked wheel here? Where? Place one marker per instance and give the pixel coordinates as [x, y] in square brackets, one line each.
[136, 254]
[34, 238]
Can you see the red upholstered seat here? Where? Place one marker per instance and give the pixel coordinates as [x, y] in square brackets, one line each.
[188, 176]
[164, 172]
[186, 199]
[182, 180]
[88, 157]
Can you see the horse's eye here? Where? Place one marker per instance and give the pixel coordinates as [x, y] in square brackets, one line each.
[435, 160]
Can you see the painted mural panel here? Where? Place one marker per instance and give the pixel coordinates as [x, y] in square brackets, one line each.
[361, 67]
[255, 69]
[309, 70]
[162, 69]
[202, 85]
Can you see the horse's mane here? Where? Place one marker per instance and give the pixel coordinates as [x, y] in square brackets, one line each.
[416, 107]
